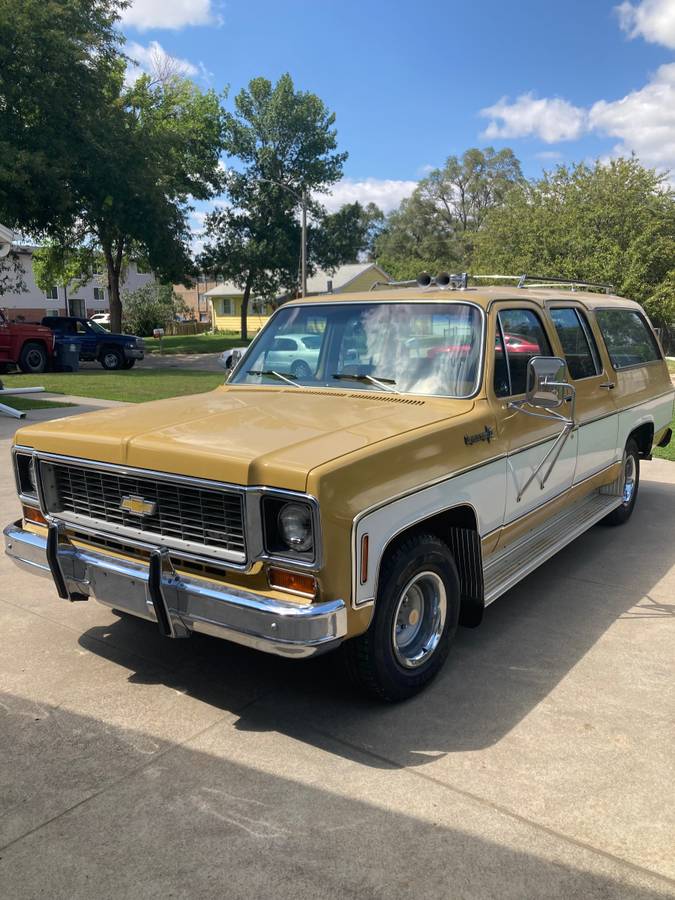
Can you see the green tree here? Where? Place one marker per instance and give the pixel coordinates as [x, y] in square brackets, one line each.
[55, 264]
[345, 235]
[284, 145]
[128, 160]
[151, 306]
[12, 275]
[435, 227]
[610, 222]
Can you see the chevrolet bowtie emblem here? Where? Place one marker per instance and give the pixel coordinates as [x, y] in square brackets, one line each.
[139, 506]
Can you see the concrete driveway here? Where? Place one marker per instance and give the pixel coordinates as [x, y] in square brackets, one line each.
[540, 763]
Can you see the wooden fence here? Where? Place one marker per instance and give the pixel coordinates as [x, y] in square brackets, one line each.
[191, 327]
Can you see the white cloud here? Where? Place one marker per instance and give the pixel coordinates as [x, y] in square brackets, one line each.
[548, 155]
[550, 119]
[386, 193]
[154, 60]
[173, 14]
[643, 120]
[654, 20]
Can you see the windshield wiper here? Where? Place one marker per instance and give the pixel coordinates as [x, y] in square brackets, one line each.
[274, 375]
[382, 383]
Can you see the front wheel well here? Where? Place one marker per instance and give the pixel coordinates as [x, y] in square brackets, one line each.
[458, 528]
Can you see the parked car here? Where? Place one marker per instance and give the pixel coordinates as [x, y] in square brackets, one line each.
[113, 351]
[30, 347]
[375, 499]
[228, 359]
[102, 318]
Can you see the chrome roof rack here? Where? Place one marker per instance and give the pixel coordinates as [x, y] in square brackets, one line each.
[548, 281]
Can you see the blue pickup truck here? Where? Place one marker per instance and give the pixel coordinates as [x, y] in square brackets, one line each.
[113, 351]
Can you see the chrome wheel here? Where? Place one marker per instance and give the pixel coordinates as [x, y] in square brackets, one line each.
[419, 619]
[111, 361]
[629, 472]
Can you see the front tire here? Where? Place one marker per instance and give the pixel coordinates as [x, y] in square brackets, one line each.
[129, 363]
[301, 370]
[112, 359]
[33, 358]
[631, 483]
[416, 616]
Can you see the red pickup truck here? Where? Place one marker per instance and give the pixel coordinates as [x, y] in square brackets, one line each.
[30, 347]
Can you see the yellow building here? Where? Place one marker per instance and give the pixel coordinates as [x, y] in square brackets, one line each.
[226, 298]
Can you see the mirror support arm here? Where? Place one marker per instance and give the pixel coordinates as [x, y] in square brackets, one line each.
[553, 452]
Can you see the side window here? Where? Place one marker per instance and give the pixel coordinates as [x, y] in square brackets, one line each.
[520, 337]
[629, 341]
[282, 343]
[577, 342]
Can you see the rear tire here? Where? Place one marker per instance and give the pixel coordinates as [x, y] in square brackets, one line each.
[416, 616]
[301, 370]
[631, 481]
[33, 358]
[112, 359]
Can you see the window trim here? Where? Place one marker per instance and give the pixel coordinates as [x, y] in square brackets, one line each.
[537, 313]
[641, 315]
[593, 348]
[483, 313]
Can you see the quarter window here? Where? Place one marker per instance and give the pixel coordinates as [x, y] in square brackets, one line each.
[629, 340]
[577, 342]
[520, 336]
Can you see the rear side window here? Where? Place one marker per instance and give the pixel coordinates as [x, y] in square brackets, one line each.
[520, 336]
[629, 340]
[577, 342]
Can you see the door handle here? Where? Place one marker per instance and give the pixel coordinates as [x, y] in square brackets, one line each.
[608, 386]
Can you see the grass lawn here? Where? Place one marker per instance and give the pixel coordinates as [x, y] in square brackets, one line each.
[195, 343]
[669, 451]
[26, 403]
[134, 386]
[671, 366]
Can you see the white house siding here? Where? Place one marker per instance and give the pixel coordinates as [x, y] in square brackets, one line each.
[32, 304]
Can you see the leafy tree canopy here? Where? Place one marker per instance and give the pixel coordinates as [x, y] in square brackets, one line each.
[284, 145]
[89, 161]
[610, 222]
[433, 229]
[151, 306]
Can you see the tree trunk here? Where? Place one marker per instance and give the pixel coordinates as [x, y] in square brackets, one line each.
[113, 261]
[244, 306]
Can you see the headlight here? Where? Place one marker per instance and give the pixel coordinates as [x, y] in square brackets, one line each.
[25, 475]
[288, 528]
[295, 526]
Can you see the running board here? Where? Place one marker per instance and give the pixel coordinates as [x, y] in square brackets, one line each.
[507, 567]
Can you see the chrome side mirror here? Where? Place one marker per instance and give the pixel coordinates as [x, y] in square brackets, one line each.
[547, 385]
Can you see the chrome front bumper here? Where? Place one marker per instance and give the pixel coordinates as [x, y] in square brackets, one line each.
[179, 604]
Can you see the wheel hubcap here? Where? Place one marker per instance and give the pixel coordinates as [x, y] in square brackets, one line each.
[111, 360]
[34, 359]
[628, 479]
[419, 619]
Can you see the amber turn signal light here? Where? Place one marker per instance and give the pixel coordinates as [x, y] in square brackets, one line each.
[30, 514]
[296, 582]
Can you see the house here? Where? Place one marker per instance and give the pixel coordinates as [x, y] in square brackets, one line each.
[194, 296]
[226, 298]
[92, 297]
[346, 279]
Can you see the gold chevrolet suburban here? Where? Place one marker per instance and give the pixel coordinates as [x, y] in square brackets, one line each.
[377, 469]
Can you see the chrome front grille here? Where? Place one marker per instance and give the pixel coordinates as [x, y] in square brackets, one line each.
[184, 514]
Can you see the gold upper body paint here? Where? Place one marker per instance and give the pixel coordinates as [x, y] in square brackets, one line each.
[350, 449]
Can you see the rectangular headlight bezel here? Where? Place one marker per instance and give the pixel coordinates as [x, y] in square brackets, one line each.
[25, 474]
[274, 547]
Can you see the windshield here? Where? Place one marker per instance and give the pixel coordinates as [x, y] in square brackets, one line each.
[418, 348]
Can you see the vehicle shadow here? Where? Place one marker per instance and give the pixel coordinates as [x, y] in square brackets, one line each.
[216, 820]
[495, 676]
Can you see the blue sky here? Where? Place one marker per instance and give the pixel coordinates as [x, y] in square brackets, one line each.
[413, 82]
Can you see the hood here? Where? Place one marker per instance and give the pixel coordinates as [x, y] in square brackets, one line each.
[242, 435]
